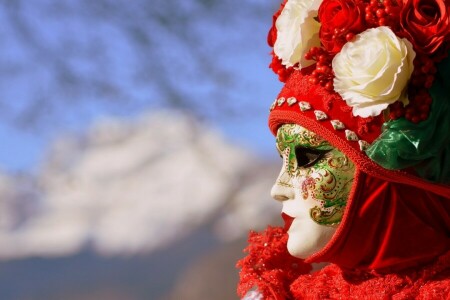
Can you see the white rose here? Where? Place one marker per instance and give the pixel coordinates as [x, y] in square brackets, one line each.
[297, 32]
[373, 71]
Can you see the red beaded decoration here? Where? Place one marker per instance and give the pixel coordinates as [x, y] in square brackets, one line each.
[383, 13]
[323, 74]
[419, 99]
[279, 69]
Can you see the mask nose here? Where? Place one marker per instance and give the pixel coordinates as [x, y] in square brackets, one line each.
[282, 190]
[277, 194]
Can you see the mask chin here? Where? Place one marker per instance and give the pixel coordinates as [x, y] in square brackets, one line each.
[307, 238]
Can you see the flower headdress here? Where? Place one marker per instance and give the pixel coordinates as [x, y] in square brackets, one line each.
[374, 72]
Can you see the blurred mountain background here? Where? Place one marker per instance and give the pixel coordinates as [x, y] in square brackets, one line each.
[135, 154]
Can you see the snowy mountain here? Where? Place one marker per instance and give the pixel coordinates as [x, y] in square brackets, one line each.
[129, 187]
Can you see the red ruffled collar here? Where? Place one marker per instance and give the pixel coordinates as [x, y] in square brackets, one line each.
[277, 275]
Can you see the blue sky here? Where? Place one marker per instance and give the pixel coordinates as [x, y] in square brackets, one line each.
[235, 46]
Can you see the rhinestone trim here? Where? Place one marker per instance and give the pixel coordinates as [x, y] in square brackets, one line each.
[304, 106]
[291, 101]
[273, 105]
[363, 145]
[337, 125]
[320, 115]
[351, 136]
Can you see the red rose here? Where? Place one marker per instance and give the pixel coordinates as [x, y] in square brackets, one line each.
[272, 36]
[341, 20]
[426, 23]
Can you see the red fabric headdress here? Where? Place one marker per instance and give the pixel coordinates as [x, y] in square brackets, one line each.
[393, 219]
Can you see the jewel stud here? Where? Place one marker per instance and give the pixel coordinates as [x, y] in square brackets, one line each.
[291, 101]
[337, 125]
[273, 105]
[304, 106]
[280, 101]
[363, 145]
[320, 115]
[350, 135]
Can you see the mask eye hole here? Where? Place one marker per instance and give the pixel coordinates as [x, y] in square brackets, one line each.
[307, 157]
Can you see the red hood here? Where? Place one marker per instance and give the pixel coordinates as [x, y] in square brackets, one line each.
[388, 226]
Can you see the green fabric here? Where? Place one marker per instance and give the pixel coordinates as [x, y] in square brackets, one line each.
[424, 146]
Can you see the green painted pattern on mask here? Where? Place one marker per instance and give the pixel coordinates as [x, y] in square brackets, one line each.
[328, 181]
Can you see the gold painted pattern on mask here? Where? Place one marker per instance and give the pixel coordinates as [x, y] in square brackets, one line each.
[328, 181]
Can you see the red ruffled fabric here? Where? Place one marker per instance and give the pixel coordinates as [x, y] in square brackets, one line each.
[277, 275]
[429, 282]
[268, 267]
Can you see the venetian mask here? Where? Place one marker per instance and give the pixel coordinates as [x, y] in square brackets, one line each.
[313, 186]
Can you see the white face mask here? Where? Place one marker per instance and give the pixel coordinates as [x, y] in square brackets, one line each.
[313, 185]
